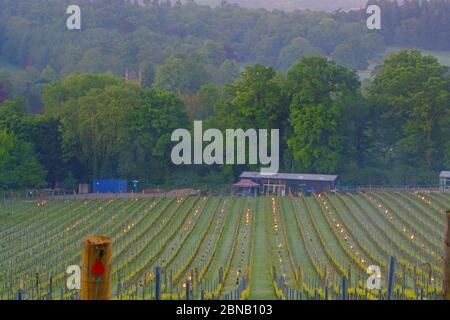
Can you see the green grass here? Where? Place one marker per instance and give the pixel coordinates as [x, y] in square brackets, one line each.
[261, 282]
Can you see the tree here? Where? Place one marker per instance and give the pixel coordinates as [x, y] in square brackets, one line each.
[149, 127]
[317, 89]
[148, 74]
[207, 96]
[316, 143]
[5, 86]
[19, 167]
[213, 52]
[181, 75]
[3, 92]
[72, 87]
[114, 129]
[13, 117]
[325, 35]
[92, 61]
[296, 49]
[412, 92]
[94, 128]
[229, 71]
[254, 100]
[352, 54]
[47, 143]
[41, 131]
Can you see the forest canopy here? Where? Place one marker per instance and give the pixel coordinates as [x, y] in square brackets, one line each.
[99, 125]
[102, 102]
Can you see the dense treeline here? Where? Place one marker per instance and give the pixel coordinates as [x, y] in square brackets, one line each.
[199, 43]
[421, 24]
[228, 66]
[98, 125]
[117, 36]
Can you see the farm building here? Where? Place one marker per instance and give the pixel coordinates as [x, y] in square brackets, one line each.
[246, 187]
[284, 183]
[444, 180]
[109, 186]
[83, 188]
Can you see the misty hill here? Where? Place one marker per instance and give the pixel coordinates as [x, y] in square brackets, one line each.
[289, 5]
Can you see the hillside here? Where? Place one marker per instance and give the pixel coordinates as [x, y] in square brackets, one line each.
[289, 5]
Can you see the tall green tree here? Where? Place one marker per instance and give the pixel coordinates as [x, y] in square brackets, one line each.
[19, 166]
[255, 100]
[72, 87]
[94, 128]
[296, 49]
[317, 89]
[412, 90]
[149, 129]
[181, 74]
[41, 131]
[115, 129]
[14, 118]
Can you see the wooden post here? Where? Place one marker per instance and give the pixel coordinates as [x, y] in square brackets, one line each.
[50, 289]
[220, 275]
[344, 288]
[20, 291]
[158, 283]
[391, 277]
[188, 289]
[96, 272]
[37, 286]
[446, 284]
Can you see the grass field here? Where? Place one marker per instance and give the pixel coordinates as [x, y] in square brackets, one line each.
[442, 56]
[231, 248]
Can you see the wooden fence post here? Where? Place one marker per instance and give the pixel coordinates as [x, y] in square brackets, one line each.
[20, 291]
[344, 288]
[158, 283]
[446, 284]
[37, 286]
[188, 289]
[391, 277]
[96, 272]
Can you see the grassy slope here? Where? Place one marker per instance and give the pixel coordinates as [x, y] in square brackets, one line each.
[289, 5]
[261, 283]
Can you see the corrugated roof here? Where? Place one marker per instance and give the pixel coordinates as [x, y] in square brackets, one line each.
[445, 174]
[290, 176]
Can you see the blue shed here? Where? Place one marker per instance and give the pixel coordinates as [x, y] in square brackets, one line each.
[109, 186]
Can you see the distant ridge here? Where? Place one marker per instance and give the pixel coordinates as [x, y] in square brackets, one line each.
[289, 5]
